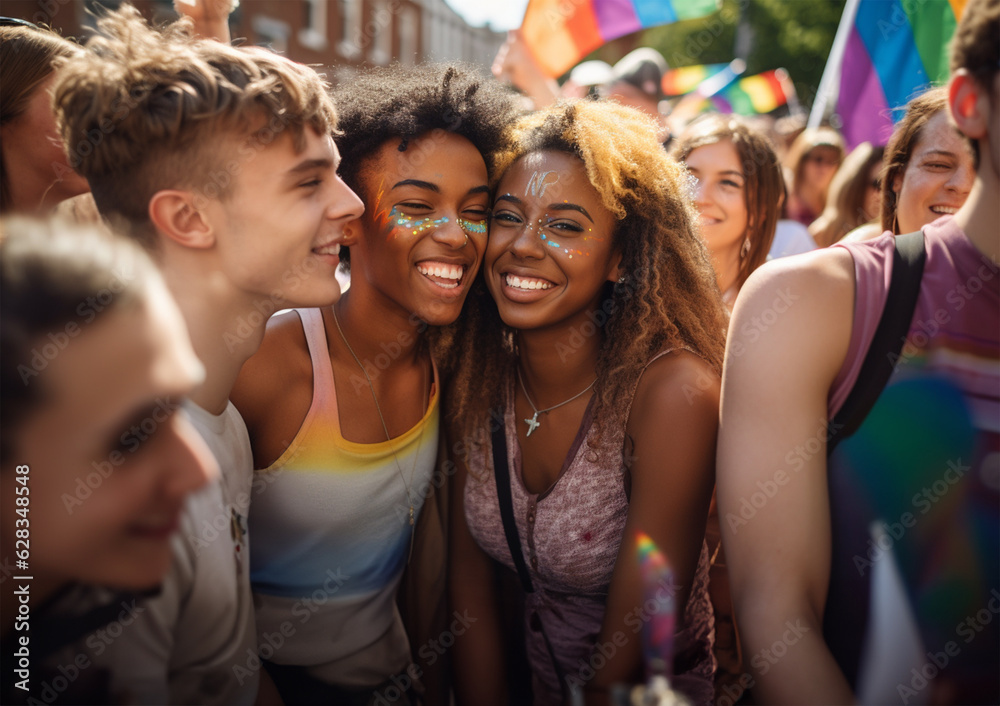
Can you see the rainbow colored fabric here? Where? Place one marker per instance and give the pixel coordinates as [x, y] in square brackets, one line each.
[754, 94]
[658, 591]
[895, 50]
[677, 82]
[559, 33]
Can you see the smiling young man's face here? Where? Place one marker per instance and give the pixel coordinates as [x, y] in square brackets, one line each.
[282, 223]
[111, 455]
[550, 249]
[421, 240]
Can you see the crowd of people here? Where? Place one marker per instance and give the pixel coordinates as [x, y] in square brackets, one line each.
[380, 393]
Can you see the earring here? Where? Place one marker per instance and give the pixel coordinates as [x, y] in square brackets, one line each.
[745, 250]
[621, 280]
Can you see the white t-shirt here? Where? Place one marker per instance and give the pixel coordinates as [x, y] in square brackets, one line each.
[194, 641]
[790, 238]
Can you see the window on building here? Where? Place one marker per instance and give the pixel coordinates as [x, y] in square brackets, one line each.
[381, 26]
[313, 32]
[271, 33]
[409, 31]
[349, 23]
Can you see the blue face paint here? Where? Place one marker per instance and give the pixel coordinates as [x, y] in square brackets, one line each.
[477, 227]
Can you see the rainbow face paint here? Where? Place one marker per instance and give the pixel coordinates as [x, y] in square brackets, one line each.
[382, 218]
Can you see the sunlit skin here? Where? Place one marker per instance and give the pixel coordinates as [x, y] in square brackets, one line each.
[720, 196]
[550, 243]
[284, 219]
[938, 177]
[414, 254]
[271, 241]
[550, 257]
[111, 456]
[421, 241]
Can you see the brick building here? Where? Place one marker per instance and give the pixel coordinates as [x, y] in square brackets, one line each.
[341, 35]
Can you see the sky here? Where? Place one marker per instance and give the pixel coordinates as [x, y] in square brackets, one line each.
[501, 15]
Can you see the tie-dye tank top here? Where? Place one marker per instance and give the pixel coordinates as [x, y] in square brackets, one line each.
[331, 527]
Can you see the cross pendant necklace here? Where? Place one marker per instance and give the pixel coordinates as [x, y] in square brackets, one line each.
[533, 422]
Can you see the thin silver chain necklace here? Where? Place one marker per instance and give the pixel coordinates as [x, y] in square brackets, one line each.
[385, 428]
[533, 422]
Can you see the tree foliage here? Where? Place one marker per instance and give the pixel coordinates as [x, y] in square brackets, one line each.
[793, 34]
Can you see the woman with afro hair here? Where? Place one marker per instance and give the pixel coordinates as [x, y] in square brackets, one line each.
[597, 363]
[342, 403]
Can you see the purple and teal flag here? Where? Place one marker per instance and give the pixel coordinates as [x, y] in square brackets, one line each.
[888, 52]
[560, 33]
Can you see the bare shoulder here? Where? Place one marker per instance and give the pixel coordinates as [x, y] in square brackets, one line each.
[274, 389]
[869, 231]
[281, 355]
[678, 389]
[795, 308]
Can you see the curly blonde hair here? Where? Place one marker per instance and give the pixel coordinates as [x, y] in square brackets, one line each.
[669, 297]
[146, 109]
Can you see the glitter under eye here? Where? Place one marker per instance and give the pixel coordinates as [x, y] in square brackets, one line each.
[478, 227]
[418, 226]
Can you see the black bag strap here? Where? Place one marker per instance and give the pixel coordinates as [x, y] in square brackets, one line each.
[502, 473]
[907, 271]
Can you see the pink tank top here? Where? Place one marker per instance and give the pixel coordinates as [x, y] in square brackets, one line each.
[570, 535]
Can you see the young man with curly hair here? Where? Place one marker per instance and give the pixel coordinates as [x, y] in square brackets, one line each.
[342, 403]
[867, 567]
[221, 162]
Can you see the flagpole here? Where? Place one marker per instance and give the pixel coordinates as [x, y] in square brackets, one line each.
[832, 70]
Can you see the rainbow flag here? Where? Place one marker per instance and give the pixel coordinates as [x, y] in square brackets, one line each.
[677, 82]
[894, 49]
[560, 33]
[754, 95]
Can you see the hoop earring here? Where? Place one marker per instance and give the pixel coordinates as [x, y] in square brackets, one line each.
[745, 250]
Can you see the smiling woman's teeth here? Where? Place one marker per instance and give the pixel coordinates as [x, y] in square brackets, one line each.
[437, 271]
[333, 249]
[525, 283]
[944, 210]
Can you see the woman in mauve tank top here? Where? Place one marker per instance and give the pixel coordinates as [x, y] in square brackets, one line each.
[599, 353]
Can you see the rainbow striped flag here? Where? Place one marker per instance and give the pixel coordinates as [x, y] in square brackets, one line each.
[757, 94]
[677, 82]
[560, 33]
[893, 50]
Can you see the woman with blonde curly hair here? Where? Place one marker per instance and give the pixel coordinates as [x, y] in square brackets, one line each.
[599, 356]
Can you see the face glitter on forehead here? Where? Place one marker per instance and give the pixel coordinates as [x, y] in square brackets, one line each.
[539, 182]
